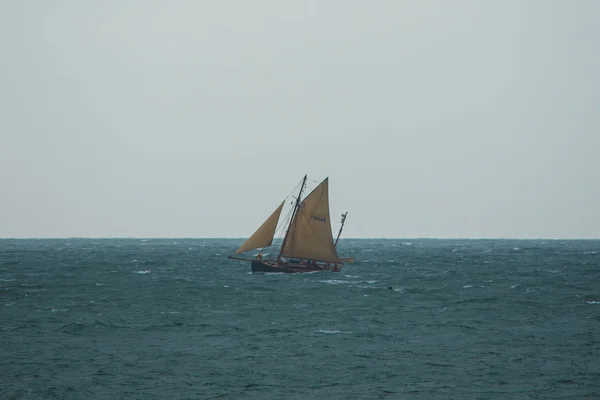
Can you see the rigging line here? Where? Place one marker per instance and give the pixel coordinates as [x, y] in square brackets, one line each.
[277, 242]
[280, 227]
[293, 190]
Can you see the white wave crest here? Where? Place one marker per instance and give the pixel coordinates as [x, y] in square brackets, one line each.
[334, 281]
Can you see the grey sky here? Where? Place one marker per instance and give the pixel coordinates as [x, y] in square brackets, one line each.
[195, 118]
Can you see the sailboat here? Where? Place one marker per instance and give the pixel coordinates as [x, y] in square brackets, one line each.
[308, 244]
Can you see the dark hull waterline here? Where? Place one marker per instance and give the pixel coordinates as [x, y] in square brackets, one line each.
[266, 266]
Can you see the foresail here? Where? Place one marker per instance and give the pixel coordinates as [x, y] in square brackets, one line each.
[263, 236]
[310, 235]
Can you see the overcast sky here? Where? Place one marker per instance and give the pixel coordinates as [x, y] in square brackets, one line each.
[195, 118]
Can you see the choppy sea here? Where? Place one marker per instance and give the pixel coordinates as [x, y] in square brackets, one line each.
[175, 319]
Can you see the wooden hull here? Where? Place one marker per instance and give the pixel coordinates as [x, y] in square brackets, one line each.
[272, 266]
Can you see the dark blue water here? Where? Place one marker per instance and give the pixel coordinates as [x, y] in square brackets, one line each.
[175, 319]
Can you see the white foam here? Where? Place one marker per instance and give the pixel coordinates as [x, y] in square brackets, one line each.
[331, 331]
[516, 248]
[590, 252]
[593, 302]
[334, 281]
[6, 280]
[467, 286]
[59, 309]
[351, 276]
[99, 284]
[407, 243]
[141, 272]
[371, 281]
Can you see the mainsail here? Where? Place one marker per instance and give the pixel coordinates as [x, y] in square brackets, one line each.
[263, 236]
[309, 236]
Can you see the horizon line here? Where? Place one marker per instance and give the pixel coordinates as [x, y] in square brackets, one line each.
[347, 238]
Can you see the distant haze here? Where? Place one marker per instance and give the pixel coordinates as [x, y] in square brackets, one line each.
[195, 118]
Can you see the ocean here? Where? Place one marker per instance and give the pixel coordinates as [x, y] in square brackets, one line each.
[410, 319]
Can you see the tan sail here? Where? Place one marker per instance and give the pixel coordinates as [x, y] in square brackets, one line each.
[263, 236]
[310, 235]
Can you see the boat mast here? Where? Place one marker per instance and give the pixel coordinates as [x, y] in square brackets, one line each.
[341, 227]
[293, 217]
